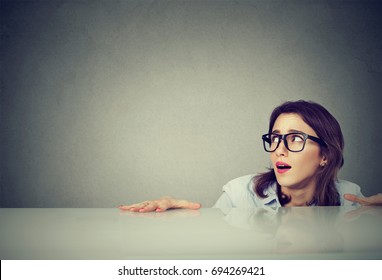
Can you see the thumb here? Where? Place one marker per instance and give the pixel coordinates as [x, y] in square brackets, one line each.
[185, 204]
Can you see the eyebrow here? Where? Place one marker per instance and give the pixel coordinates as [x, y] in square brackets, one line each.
[289, 131]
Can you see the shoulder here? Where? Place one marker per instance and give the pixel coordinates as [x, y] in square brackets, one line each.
[240, 193]
[240, 181]
[240, 190]
[347, 187]
[240, 184]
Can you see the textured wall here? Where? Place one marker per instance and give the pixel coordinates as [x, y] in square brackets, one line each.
[111, 102]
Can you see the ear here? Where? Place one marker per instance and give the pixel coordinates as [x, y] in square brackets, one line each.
[323, 161]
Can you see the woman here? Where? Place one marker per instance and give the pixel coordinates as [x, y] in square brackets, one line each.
[306, 145]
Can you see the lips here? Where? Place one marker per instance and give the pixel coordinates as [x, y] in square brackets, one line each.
[282, 167]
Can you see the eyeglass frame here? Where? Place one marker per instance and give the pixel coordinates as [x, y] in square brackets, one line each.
[284, 136]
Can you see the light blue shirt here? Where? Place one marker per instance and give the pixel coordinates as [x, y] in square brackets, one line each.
[239, 193]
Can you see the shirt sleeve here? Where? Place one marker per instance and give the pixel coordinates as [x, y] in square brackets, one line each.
[223, 202]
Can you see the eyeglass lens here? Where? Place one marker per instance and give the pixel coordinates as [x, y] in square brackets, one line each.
[294, 142]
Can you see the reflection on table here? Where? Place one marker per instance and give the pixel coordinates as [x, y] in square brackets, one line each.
[284, 233]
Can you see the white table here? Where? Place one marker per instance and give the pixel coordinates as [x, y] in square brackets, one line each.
[108, 233]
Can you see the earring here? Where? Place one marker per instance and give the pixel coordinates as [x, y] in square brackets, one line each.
[322, 164]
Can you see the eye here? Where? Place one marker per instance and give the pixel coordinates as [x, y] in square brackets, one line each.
[297, 138]
[274, 138]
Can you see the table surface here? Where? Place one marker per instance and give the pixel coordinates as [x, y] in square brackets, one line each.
[107, 233]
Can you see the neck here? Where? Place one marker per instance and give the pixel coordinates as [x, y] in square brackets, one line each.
[299, 196]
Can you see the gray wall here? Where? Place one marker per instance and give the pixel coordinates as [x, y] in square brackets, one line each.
[111, 102]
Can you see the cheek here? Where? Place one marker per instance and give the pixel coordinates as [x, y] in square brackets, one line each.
[310, 160]
[273, 157]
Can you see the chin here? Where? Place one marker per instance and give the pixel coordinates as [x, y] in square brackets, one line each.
[287, 183]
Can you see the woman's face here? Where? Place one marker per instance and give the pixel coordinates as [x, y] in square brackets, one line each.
[304, 165]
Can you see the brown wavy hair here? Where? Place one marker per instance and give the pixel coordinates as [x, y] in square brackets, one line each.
[328, 129]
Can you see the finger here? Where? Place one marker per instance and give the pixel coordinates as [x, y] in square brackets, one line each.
[134, 207]
[163, 205]
[126, 207]
[351, 197]
[361, 200]
[357, 199]
[151, 206]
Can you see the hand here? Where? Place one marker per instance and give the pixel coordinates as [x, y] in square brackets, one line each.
[160, 205]
[374, 200]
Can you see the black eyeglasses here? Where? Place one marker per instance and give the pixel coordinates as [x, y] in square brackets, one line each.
[294, 142]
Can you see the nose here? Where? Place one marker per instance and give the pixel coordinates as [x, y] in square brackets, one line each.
[281, 149]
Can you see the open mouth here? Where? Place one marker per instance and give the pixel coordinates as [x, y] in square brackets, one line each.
[282, 167]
